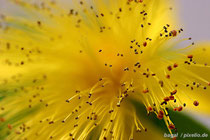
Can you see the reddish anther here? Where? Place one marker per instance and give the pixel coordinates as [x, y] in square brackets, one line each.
[171, 97]
[159, 116]
[180, 108]
[169, 68]
[145, 44]
[166, 99]
[175, 65]
[149, 108]
[145, 91]
[196, 103]
[161, 112]
[171, 126]
[2, 119]
[190, 56]
[174, 33]
[174, 92]
[9, 126]
[168, 76]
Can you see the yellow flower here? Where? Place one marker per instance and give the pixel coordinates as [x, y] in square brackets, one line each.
[78, 74]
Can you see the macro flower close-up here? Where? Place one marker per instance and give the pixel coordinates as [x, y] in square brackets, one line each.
[101, 70]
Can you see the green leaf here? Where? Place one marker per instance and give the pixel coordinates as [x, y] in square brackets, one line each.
[184, 123]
